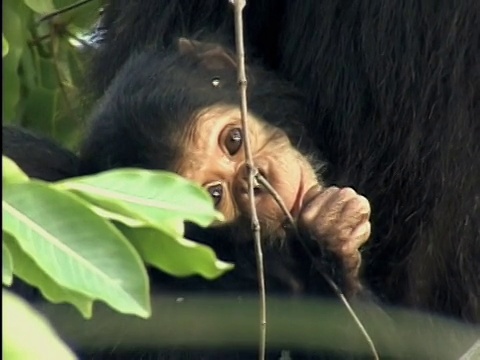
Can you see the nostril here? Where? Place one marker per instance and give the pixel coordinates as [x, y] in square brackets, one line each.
[242, 181]
[257, 188]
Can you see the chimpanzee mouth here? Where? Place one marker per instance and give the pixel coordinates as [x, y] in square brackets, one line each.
[297, 204]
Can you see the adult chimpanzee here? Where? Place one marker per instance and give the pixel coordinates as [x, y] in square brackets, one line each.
[392, 102]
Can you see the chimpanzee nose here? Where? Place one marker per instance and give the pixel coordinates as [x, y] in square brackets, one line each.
[241, 187]
[242, 178]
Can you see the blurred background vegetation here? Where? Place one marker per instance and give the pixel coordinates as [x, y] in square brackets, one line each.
[45, 47]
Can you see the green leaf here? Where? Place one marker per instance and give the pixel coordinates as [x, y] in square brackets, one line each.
[30, 72]
[170, 252]
[14, 24]
[27, 334]
[11, 173]
[7, 265]
[83, 16]
[4, 46]
[76, 248]
[40, 6]
[48, 74]
[76, 65]
[15, 35]
[153, 196]
[28, 270]
[40, 110]
[130, 222]
[11, 86]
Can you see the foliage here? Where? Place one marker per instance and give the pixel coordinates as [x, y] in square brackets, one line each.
[86, 238]
[19, 322]
[73, 241]
[65, 238]
[43, 65]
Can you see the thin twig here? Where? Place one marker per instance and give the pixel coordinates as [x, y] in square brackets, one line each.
[37, 40]
[252, 172]
[349, 308]
[264, 182]
[276, 196]
[63, 10]
[255, 175]
[54, 48]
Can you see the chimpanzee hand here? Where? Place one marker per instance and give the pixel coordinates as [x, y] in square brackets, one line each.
[338, 220]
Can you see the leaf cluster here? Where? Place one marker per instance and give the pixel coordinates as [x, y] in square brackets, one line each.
[84, 239]
[90, 238]
[43, 65]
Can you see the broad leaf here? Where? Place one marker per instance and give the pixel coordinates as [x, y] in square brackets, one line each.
[11, 86]
[129, 221]
[28, 270]
[170, 252]
[154, 196]
[48, 74]
[76, 248]
[40, 6]
[14, 30]
[27, 334]
[82, 16]
[7, 264]
[4, 46]
[11, 173]
[28, 62]
[39, 112]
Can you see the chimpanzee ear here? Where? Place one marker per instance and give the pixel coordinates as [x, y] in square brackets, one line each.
[212, 56]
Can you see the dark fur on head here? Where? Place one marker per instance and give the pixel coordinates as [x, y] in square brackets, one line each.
[157, 92]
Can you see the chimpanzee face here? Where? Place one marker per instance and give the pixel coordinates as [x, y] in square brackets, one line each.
[213, 156]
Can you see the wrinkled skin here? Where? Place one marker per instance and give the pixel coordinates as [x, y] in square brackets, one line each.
[338, 218]
[335, 218]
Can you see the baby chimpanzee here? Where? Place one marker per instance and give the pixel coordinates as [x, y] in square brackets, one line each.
[178, 109]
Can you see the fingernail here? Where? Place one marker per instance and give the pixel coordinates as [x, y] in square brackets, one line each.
[360, 230]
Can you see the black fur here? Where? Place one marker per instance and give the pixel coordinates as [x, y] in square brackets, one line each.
[38, 156]
[157, 92]
[393, 93]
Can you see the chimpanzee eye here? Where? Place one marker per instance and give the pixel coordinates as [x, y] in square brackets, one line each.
[234, 141]
[216, 81]
[216, 192]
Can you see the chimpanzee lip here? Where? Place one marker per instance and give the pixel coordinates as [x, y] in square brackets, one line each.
[297, 204]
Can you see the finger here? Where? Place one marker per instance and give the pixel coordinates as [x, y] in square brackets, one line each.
[355, 212]
[359, 237]
[312, 208]
[329, 209]
[312, 193]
